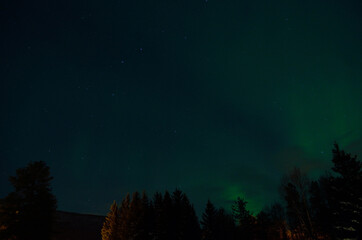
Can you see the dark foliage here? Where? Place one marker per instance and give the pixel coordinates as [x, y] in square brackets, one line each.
[28, 212]
[271, 223]
[217, 224]
[167, 217]
[345, 195]
[245, 222]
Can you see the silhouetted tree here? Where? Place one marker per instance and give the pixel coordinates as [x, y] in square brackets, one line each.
[167, 218]
[148, 221]
[245, 221]
[225, 226]
[137, 226]
[271, 223]
[295, 190]
[29, 211]
[209, 222]
[159, 218]
[174, 217]
[110, 229]
[321, 215]
[264, 224]
[124, 223]
[185, 221]
[217, 224]
[345, 195]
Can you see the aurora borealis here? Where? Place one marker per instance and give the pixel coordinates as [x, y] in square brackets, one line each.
[217, 98]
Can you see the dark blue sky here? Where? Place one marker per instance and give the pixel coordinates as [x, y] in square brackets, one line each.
[217, 98]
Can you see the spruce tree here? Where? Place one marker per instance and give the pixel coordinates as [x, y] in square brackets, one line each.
[137, 218]
[124, 223]
[148, 217]
[225, 226]
[111, 224]
[217, 224]
[29, 211]
[209, 222]
[190, 224]
[159, 224]
[345, 195]
[320, 209]
[243, 218]
[167, 218]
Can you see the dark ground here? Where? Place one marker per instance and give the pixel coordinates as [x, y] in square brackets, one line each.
[77, 226]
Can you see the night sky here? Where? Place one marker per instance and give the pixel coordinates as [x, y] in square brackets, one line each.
[219, 98]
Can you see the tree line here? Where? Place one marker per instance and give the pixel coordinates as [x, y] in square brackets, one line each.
[327, 208]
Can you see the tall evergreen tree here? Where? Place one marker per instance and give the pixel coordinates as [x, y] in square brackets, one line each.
[136, 218]
[175, 217]
[320, 210]
[167, 218]
[124, 223]
[148, 217]
[217, 224]
[29, 211]
[345, 195]
[244, 220]
[158, 214]
[110, 229]
[209, 222]
[225, 226]
[190, 224]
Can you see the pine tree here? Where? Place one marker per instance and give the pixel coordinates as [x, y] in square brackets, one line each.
[241, 215]
[244, 219]
[111, 224]
[190, 224]
[209, 222]
[29, 211]
[148, 218]
[345, 195]
[159, 225]
[124, 223]
[167, 218]
[225, 226]
[320, 210]
[137, 218]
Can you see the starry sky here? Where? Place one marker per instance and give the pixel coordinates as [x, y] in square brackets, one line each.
[219, 98]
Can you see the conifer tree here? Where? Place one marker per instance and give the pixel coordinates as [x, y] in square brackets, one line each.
[148, 217]
[124, 223]
[137, 218]
[29, 211]
[209, 222]
[190, 224]
[167, 218]
[159, 225]
[345, 195]
[225, 226]
[320, 209]
[110, 229]
[217, 224]
[243, 218]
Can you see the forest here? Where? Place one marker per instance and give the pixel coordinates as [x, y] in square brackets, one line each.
[327, 208]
